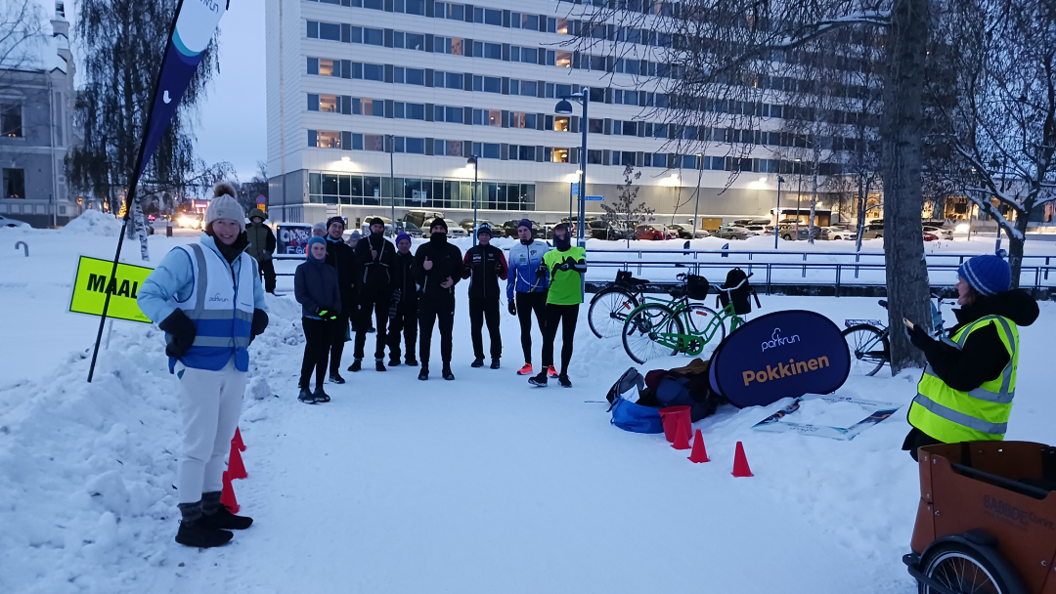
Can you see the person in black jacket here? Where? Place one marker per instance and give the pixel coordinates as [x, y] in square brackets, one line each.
[375, 280]
[403, 309]
[484, 265]
[983, 292]
[437, 268]
[342, 258]
[315, 287]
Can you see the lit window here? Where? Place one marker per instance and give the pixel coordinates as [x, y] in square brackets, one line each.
[561, 124]
[559, 155]
[328, 139]
[564, 59]
[562, 26]
[11, 120]
[14, 183]
[494, 117]
[328, 103]
[326, 67]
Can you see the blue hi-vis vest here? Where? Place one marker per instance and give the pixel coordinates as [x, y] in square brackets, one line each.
[221, 306]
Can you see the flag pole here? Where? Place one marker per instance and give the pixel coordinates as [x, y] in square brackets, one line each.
[127, 203]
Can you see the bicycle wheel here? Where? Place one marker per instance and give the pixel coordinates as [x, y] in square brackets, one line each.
[869, 347]
[609, 310]
[644, 333]
[702, 320]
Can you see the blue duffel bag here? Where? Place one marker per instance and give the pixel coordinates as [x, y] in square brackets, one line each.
[628, 415]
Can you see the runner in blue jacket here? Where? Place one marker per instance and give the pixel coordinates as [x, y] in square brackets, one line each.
[526, 292]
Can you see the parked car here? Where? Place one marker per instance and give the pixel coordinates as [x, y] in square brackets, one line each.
[6, 222]
[939, 232]
[838, 233]
[734, 232]
[873, 231]
[422, 218]
[407, 227]
[751, 222]
[653, 233]
[930, 236]
[509, 229]
[686, 232]
[601, 230]
[761, 229]
[790, 232]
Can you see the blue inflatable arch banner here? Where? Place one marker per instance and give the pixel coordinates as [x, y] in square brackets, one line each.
[779, 355]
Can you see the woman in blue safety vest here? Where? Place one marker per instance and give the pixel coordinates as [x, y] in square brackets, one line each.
[966, 391]
[207, 298]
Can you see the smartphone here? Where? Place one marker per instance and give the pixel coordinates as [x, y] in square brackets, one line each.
[909, 324]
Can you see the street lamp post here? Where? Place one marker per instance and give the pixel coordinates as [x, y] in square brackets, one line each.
[777, 211]
[391, 140]
[473, 161]
[565, 108]
[696, 199]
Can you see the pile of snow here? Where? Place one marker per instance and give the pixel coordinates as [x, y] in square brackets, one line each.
[94, 222]
[87, 470]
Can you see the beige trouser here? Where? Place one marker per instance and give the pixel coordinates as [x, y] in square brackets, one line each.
[210, 403]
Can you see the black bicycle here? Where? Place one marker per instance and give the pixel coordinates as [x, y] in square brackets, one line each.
[869, 343]
[614, 302]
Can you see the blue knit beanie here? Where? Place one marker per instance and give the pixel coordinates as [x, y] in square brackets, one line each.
[401, 236]
[987, 274]
[525, 223]
[313, 240]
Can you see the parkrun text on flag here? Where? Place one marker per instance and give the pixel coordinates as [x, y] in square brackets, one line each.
[93, 282]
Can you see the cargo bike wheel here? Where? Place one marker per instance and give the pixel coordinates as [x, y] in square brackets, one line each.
[959, 568]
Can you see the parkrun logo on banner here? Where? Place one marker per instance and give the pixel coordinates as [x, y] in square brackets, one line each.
[767, 359]
[777, 340]
[793, 368]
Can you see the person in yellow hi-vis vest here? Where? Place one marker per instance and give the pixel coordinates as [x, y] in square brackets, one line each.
[966, 391]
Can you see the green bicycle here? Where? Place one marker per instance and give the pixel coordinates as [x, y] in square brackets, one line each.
[662, 328]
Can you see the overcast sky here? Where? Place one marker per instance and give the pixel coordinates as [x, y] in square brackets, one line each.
[232, 124]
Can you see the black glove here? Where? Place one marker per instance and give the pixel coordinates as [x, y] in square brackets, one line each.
[919, 337]
[566, 264]
[182, 330]
[541, 270]
[513, 308]
[260, 323]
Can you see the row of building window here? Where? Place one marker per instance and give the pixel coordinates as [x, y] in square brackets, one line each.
[460, 12]
[336, 188]
[502, 151]
[539, 89]
[543, 122]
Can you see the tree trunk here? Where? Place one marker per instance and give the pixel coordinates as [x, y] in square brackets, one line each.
[1015, 248]
[908, 289]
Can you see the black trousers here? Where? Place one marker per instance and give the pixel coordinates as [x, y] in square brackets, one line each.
[566, 315]
[444, 316]
[482, 309]
[267, 272]
[526, 304]
[318, 335]
[406, 321]
[337, 340]
[379, 306]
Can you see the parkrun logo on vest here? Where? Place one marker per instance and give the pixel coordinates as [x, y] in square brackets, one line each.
[793, 368]
[777, 340]
[218, 299]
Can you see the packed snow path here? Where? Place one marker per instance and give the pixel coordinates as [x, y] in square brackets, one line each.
[483, 484]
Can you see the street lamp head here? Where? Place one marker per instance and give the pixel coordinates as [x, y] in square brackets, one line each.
[472, 160]
[563, 108]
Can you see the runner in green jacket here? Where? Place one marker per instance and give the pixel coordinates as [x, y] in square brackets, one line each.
[565, 266]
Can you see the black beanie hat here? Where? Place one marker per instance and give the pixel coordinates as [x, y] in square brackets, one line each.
[375, 221]
[438, 222]
[333, 220]
[484, 228]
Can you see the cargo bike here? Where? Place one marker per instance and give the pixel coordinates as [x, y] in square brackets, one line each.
[986, 521]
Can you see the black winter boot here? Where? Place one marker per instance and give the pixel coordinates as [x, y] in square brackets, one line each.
[411, 361]
[195, 533]
[394, 362]
[224, 519]
[538, 380]
[320, 395]
[306, 397]
[424, 373]
[335, 378]
[564, 381]
[478, 362]
[495, 363]
[355, 366]
[379, 365]
[447, 373]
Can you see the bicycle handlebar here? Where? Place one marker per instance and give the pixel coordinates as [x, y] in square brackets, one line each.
[739, 285]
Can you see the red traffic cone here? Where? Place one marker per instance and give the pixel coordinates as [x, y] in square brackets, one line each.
[227, 497]
[235, 468]
[699, 454]
[740, 463]
[237, 441]
[681, 439]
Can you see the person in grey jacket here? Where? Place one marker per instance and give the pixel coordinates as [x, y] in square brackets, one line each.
[315, 287]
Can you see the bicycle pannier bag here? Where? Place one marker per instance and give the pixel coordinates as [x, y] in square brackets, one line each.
[697, 287]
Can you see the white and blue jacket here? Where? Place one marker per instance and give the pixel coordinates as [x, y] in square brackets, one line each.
[524, 262]
[218, 297]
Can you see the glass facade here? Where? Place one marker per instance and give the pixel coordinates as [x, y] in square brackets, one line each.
[373, 190]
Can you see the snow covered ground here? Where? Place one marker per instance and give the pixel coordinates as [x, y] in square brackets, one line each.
[481, 484]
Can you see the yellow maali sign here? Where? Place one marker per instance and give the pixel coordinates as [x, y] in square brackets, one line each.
[93, 282]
